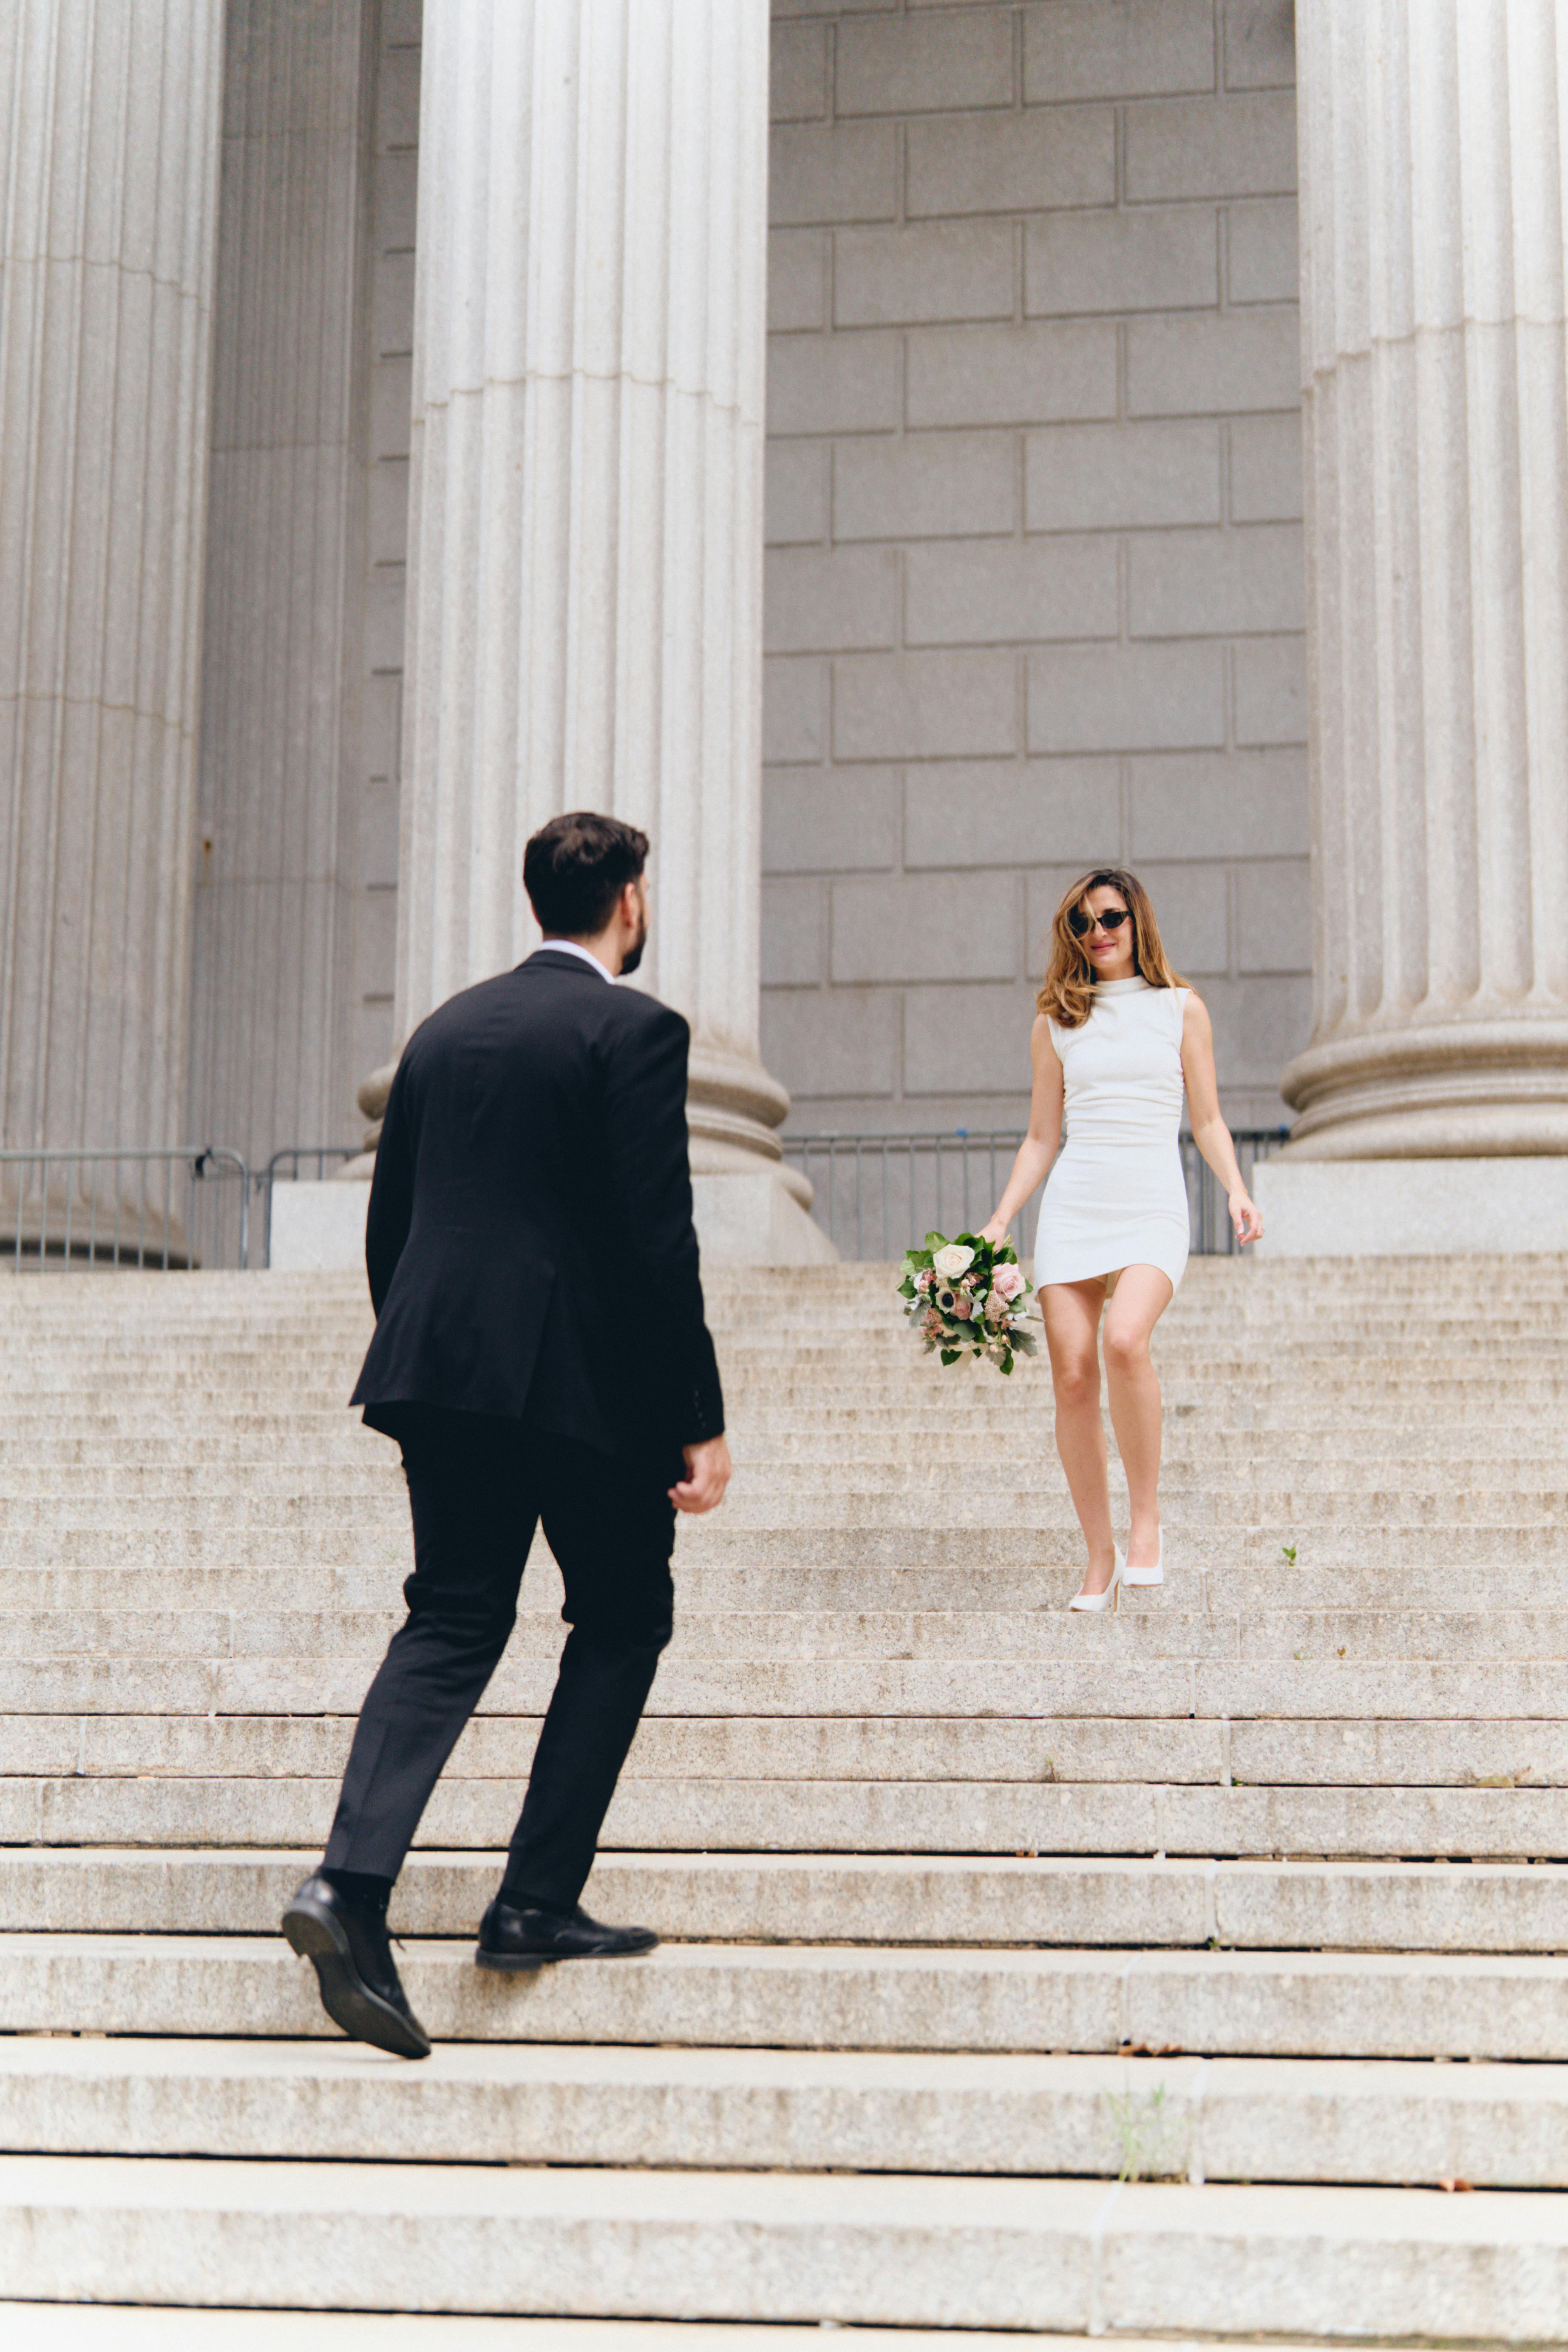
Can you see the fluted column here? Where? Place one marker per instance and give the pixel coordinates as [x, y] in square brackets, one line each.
[1435, 399]
[108, 148]
[283, 643]
[584, 623]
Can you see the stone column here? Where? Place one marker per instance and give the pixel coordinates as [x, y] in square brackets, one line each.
[1434, 177]
[283, 642]
[584, 623]
[109, 152]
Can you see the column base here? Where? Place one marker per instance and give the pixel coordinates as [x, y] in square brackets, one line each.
[1411, 1208]
[1492, 1088]
[319, 1228]
[732, 1109]
[754, 1219]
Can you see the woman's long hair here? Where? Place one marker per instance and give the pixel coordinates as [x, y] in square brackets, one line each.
[1067, 995]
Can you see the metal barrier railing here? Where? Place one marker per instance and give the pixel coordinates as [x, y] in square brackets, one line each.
[879, 1194]
[187, 1206]
[191, 1206]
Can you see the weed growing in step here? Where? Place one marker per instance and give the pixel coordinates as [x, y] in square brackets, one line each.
[1289, 1552]
[1146, 2135]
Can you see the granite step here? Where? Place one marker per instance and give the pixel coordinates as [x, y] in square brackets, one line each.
[890, 1350]
[924, 1399]
[307, 1517]
[164, 2327]
[1337, 1751]
[166, 1448]
[1013, 1485]
[1052, 1634]
[1388, 2121]
[1320, 1544]
[848, 1816]
[706, 1586]
[857, 1899]
[896, 2250]
[1104, 1681]
[815, 1997]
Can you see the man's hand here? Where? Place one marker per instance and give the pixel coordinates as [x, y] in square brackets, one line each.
[708, 1469]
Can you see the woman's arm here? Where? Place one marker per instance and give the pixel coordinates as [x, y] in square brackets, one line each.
[1210, 1132]
[1038, 1149]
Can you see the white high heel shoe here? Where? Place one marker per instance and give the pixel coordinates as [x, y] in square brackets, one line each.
[1109, 1598]
[1155, 1575]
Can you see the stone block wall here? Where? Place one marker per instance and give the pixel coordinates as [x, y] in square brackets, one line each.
[1034, 588]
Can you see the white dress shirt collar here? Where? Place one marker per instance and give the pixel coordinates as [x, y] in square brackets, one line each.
[571, 947]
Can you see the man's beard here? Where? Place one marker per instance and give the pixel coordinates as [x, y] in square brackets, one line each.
[633, 955]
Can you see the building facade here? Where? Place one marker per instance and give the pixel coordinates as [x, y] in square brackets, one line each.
[383, 421]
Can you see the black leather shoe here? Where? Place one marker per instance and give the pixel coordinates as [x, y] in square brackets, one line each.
[513, 1937]
[361, 1988]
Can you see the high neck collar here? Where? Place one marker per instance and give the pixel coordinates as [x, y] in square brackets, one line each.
[1128, 987]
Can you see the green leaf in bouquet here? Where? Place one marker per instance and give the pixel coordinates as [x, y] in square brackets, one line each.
[935, 1242]
[951, 1355]
[906, 1287]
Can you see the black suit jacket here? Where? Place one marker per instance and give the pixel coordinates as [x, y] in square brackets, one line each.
[530, 1241]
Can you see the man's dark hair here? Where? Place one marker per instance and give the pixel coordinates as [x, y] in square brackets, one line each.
[575, 867]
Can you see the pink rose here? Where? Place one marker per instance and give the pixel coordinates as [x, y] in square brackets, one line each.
[1008, 1281]
[963, 1306]
[932, 1325]
[925, 1280]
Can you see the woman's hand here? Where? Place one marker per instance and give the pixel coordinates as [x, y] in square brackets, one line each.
[1244, 1217]
[997, 1231]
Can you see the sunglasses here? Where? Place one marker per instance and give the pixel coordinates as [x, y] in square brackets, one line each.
[1111, 920]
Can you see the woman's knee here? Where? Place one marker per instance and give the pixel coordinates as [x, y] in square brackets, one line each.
[1126, 1347]
[1075, 1374]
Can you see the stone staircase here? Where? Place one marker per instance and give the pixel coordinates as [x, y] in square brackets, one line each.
[1175, 1973]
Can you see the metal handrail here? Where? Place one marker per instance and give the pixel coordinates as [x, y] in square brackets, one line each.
[116, 1225]
[894, 1189]
[320, 1153]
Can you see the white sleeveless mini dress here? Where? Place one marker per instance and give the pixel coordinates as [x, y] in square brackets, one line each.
[1117, 1196]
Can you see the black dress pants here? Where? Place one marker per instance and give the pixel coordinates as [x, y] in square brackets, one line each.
[477, 1487]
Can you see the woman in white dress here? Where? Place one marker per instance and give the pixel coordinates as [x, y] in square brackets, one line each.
[1116, 1033]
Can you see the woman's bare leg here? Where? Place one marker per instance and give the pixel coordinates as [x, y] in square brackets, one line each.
[1143, 1295]
[1071, 1311]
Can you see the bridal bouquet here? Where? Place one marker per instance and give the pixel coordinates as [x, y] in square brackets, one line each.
[967, 1298]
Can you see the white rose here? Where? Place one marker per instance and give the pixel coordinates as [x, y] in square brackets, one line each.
[953, 1260]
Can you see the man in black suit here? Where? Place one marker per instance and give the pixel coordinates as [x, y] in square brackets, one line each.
[532, 1167]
